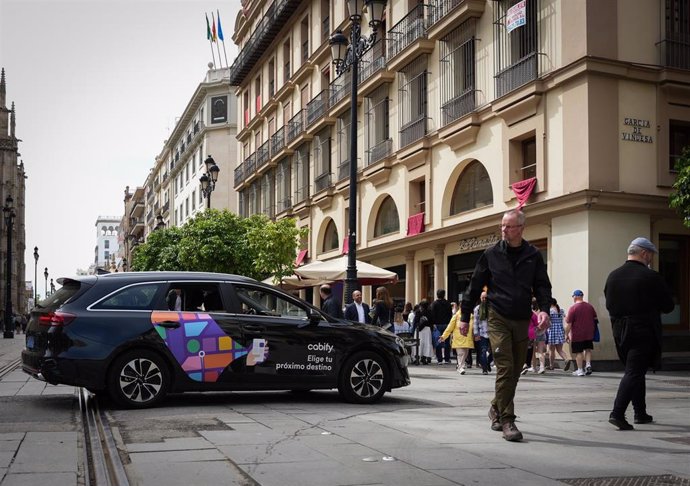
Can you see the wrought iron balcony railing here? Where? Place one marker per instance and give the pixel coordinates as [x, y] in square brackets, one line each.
[318, 107]
[413, 26]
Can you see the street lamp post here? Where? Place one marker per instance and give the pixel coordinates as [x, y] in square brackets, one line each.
[52, 287]
[8, 211]
[45, 274]
[35, 275]
[208, 179]
[347, 57]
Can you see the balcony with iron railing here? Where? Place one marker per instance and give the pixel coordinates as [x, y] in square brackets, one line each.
[676, 52]
[343, 170]
[239, 175]
[269, 210]
[458, 106]
[265, 32]
[446, 15]
[408, 38]
[263, 155]
[317, 109]
[186, 148]
[339, 90]
[295, 127]
[284, 205]
[249, 166]
[301, 194]
[517, 74]
[278, 141]
[412, 131]
[379, 151]
[165, 208]
[323, 181]
[372, 71]
[149, 216]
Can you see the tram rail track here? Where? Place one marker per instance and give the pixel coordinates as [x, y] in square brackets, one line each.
[103, 466]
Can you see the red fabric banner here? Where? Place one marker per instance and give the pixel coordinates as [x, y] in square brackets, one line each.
[523, 190]
[346, 245]
[415, 224]
[300, 257]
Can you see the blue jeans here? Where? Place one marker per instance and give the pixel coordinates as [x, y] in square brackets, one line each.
[444, 346]
[483, 349]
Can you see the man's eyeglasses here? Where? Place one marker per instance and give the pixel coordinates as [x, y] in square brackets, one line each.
[511, 226]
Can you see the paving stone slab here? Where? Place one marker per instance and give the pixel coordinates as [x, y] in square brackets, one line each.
[177, 444]
[35, 479]
[172, 457]
[189, 473]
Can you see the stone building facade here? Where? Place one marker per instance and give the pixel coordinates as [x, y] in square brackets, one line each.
[12, 184]
[580, 106]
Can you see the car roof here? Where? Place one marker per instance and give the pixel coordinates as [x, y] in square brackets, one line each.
[144, 276]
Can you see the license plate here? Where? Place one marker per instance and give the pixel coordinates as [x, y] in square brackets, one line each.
[29, 342]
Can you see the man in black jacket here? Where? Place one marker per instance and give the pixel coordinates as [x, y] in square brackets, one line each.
[440, 317]
[635, 298]
[513, 271]
[329, 303]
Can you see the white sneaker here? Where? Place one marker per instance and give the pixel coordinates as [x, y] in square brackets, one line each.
[531, 369]
[578, 372]
[461, 371]
[541, 370]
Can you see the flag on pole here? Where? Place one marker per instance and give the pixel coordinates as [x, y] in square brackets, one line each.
[213, 27]
[220, 28]
[208, 30]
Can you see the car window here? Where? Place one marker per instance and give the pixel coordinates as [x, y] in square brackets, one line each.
[193, 297]
[61, 296]
[263, 302]
[135, 297]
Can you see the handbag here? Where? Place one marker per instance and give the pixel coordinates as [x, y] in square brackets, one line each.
[597, 336]
[435, 335]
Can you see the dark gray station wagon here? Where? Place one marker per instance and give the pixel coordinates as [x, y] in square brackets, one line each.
[139, 335]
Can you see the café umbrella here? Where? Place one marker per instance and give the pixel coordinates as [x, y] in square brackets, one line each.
[336, 269]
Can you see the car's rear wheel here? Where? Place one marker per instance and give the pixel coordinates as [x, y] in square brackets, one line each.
[138, 379]
[363, 378]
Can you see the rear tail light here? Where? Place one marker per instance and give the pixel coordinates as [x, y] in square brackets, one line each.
[56, 319]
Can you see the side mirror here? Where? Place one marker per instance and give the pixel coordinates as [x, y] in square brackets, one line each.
[314, 318]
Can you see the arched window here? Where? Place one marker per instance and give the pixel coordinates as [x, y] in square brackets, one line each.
[330, 237]
[387, 220]
[473, 189]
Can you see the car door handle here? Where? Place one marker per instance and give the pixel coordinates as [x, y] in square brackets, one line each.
[169, 324]
[250, 328]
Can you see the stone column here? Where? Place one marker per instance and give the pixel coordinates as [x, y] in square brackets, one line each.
[439, 268]
[410, 278]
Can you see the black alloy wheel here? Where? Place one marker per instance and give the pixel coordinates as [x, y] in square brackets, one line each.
[363, 378]
[138, 379]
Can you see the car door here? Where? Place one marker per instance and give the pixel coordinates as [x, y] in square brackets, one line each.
[199, 333]
[286, 349]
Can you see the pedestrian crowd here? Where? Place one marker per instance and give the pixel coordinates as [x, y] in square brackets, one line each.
[509, 320]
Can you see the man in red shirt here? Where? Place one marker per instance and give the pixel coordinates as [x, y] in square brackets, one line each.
[580, 323]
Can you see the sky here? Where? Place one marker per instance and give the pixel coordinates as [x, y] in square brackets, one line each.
[97, 87]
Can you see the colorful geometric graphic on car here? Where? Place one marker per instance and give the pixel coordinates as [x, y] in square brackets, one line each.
[199, 345]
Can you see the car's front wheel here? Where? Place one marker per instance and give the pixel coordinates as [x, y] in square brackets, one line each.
[363, 378]
[138, 379]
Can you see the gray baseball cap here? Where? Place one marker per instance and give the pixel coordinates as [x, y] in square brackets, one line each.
[644, 243]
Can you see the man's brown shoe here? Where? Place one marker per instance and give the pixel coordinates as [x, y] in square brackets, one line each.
[511, 432]
[493, 416]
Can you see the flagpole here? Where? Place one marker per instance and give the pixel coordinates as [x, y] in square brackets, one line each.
[212, 54]
[210, 39]
[222, 38]
[215, 39]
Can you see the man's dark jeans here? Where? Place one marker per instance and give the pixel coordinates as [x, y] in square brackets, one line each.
[632, 387]
[444, 346]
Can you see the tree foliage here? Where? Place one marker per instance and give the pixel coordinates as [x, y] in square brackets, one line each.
[221, 241]
[680, 197]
